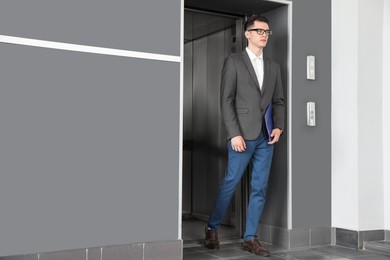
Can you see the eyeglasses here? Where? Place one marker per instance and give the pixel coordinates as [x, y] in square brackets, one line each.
[261, 31]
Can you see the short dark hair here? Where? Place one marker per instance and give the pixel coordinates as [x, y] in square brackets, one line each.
[252, 19]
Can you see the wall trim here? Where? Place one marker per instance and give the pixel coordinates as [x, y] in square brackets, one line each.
[296, 237]
[169, 249]
[87, 49]
[357, 239]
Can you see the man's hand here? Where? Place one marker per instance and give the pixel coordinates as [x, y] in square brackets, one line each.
[238, 144]
[275, 134]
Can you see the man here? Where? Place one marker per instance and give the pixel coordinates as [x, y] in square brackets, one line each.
[250, 83]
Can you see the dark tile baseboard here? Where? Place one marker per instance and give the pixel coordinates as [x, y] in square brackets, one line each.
[355, 239]
[295, 238]
[173, 250]
[161, 250]
[313, 237]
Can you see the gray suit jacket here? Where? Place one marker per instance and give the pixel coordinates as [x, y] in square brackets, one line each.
[242, 103]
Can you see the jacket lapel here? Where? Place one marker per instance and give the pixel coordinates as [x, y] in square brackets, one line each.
[250, 68]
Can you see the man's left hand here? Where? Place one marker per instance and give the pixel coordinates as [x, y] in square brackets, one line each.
[275, 134]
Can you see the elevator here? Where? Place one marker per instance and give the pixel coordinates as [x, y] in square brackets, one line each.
[212, 31]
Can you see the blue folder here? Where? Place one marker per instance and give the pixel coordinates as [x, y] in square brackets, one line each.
[269, 121]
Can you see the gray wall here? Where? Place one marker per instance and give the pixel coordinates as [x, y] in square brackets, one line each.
[89, 143]
[311, 154]
[147, 25]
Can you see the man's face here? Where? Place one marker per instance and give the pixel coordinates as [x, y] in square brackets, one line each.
[254, 39]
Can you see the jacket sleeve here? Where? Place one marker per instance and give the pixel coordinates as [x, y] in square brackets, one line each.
[227, 98]
[278, 102]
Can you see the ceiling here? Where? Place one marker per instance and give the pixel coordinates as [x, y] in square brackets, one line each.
[234, 7]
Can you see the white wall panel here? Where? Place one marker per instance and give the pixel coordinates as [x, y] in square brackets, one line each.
[358, 115]
[370, 144]
[344, 102]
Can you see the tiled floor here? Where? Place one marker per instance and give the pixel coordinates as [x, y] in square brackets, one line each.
[231, 249]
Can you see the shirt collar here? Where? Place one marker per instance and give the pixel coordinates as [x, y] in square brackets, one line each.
[251, 55]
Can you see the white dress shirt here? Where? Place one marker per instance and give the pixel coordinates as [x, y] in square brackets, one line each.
[258, 65]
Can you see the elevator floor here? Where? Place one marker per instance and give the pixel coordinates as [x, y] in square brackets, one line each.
[230, 248]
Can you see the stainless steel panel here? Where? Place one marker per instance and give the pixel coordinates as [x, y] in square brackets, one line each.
[209, 137]
[187, 131]
[205, 50]
[187, 95]
[202, 184]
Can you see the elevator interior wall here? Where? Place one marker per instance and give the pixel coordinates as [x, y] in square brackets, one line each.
[209, 38]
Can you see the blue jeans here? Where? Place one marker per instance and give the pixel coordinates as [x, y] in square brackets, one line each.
[259, 153]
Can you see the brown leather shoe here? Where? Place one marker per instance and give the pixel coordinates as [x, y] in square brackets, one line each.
[253, 245]
[211, 239]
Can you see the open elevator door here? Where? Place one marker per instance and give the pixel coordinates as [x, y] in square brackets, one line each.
[204, 150]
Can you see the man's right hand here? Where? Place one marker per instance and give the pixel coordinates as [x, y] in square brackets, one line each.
[238, 144]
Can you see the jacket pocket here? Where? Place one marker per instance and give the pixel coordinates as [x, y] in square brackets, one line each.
[242, 110]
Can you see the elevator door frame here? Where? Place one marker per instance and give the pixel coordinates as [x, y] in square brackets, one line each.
[241, 196]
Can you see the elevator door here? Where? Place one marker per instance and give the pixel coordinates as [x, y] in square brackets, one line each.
[209, 38]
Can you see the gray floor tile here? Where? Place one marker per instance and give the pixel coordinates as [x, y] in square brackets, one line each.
[255, 257]
[199, 256]
[203, 249]
[386, 243]
[274, 249]
[341, 251]
[231, 245]
[189, 250]
[308, 254]
[230, 253]
[371, 257]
